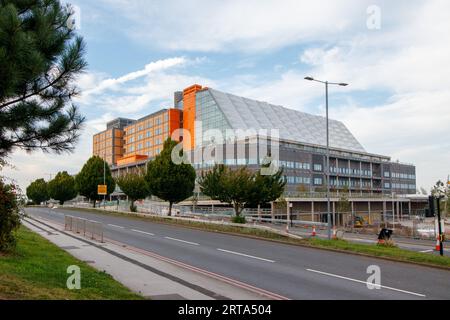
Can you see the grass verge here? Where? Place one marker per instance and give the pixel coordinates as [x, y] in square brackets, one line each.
[371, 250]
[36, 270]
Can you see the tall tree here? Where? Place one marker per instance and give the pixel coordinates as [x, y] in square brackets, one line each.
[37, 191]
[229, 186]
[62, 187]
[40, 58]
[169, 181]
[134, 186]
[91, 176]
[266, 188]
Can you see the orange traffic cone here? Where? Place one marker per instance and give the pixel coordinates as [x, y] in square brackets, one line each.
[438, 245]
[313, 231]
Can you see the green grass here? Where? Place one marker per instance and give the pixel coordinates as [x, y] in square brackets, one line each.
[36, 270]
[391, 253]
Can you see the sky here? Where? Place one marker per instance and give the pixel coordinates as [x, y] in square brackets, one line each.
[394, 54]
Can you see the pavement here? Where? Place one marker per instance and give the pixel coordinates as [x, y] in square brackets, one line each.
[149, 275]
[272, 270]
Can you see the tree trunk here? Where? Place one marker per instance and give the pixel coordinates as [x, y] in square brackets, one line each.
[170, 209]
[94, 202]
[132, 206]
[236, 209]
[61, 203]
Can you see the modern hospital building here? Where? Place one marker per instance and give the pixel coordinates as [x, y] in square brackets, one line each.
[204, 113]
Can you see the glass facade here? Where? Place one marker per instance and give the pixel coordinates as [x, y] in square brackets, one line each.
[211, 118]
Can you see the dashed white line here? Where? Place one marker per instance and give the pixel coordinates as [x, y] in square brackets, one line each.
[143, 232]
[245, 255]
[115, 226]
[188, 242]
[426, 251]
[365, 282]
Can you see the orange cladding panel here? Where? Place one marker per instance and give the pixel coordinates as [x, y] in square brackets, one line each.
[189, 107]
[174, 122]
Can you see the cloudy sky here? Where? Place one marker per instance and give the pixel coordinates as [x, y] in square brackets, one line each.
[394, 54]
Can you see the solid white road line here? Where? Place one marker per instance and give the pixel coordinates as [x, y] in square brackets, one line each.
[426, 251]
[246, 255]
[113, 225]
[143, 232]
[365, 282]
[188, 242]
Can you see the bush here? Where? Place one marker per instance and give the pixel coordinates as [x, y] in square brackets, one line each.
[9, 216]
[238, 219]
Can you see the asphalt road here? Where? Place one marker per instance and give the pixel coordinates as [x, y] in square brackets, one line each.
[291, 271]
[417, 245]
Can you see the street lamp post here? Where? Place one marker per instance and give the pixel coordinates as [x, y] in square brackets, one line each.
[327, 171]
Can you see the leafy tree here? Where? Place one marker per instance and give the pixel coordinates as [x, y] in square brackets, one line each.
[438, 189]
[91, 176]
[134, 186]
[266, 188]
[234, 187]
[37, 191]
[9, 215]
[344, 205]
[169, 181]
[62, 188]
[40, 58]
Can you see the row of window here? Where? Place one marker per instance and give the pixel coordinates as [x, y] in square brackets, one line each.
[403, 176]
[299, 180]
[348, 171]
[295, 165]
[351, 183]
[403, 186]
[149, 124]
[148, 134]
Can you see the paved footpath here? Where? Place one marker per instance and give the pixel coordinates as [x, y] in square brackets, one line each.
[154, 277]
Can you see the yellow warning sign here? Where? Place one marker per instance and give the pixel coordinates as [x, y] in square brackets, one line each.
[102, 190]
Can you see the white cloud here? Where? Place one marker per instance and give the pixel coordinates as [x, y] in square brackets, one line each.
[237, 25]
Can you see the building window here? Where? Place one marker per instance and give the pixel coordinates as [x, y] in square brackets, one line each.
[387, 185]
[387, 174]
[317, 167]
[148, 134]
[318, 181]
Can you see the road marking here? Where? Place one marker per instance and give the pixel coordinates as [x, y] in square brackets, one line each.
[188, 242]
[113, 225]
[246, 255]
[366, 283]
[139, 231]
[426, 251]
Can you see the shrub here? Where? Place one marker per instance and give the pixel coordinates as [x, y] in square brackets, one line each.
[238, 219]
[9, 216]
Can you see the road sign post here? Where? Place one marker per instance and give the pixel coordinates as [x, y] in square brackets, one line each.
[441, 235]
[102, 190]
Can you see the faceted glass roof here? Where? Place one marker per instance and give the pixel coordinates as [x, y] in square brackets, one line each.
[245, 114]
